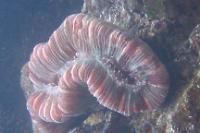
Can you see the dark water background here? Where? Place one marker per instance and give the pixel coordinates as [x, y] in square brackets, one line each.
[23, 24]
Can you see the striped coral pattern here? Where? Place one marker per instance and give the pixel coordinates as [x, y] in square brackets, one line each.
[86, 60]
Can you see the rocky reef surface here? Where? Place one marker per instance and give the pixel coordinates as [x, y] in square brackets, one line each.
[172, 29]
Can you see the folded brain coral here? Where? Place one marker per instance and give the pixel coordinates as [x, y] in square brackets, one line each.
[86, 58]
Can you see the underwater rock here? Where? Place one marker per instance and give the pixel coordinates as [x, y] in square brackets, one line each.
[129, 15]
[195, 39]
